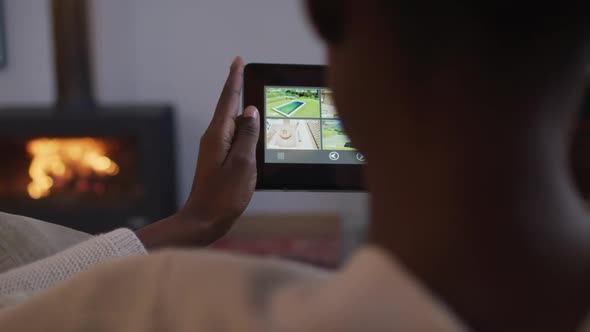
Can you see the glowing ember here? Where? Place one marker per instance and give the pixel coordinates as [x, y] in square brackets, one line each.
[59, 160]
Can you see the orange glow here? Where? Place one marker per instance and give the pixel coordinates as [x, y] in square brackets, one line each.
[60, 159]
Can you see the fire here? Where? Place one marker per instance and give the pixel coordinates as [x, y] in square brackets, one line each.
[62, 159]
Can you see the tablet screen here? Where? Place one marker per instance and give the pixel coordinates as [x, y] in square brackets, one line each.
[302, 127]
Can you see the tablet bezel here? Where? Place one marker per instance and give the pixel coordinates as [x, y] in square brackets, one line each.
[306, 177]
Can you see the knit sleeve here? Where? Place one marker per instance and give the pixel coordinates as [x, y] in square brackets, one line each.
[50, 271]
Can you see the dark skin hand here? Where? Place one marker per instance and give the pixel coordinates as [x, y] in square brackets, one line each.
[225, 177]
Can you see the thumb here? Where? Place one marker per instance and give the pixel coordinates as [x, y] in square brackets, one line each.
[243, 149]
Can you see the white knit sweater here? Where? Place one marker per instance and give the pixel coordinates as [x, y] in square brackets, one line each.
[35, 256]
[52, 270]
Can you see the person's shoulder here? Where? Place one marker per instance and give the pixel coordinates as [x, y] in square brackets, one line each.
[372, 292]
[204, 266]
[225, 267]
[203, 288]
[177, 290]
[182, 290]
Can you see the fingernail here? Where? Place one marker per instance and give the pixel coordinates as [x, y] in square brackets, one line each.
[251, 112]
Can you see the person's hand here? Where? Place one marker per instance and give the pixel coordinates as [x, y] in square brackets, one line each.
[226, 170]
[225, 178]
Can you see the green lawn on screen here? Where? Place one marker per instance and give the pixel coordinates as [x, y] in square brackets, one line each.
[311, 109]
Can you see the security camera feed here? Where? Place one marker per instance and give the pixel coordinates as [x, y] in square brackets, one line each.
[302, 127]
[334, 137]
[328, 106]
[293, 134]
[293, 103]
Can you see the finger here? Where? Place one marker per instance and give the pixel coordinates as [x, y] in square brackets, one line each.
[217, 140]
[243, 149]
[229, 102]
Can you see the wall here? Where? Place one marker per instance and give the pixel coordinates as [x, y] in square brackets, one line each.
[28, 77]
[175, 51]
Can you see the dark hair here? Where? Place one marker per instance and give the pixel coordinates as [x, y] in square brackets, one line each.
[328, 17]
[459, 23]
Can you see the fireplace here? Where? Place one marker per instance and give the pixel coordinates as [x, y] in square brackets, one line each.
[89, 167]
[114, 167]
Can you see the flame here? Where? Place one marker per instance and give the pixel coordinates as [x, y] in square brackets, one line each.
[62, 158]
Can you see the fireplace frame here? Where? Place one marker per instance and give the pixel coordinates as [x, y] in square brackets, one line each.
[151, 126]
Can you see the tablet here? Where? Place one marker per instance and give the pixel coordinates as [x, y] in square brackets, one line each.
[302, 144]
